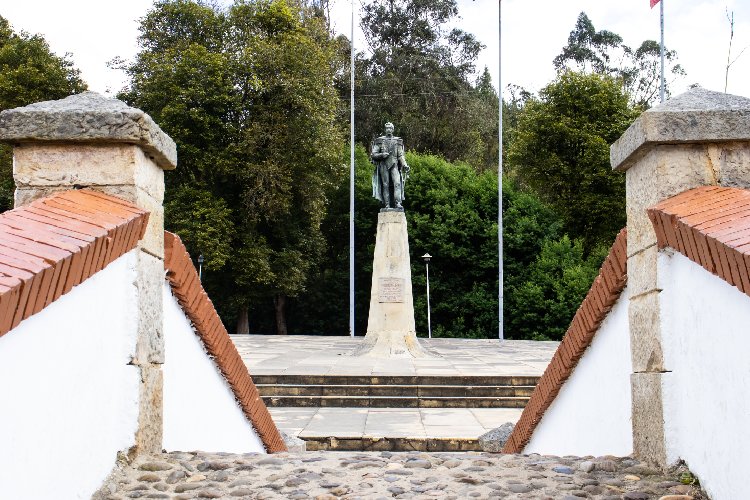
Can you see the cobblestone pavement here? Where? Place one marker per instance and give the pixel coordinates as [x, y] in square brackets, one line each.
[331, 475]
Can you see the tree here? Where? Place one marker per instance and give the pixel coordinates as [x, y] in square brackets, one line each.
[29, 72]
[421, 76]
[247, 95]
[603, 52]
[591, 50]
[543, 304]
[642, 80]
[452, 214]
[561, 150]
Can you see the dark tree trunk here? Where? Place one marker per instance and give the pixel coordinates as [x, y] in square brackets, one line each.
[243, 324]
[279, 303]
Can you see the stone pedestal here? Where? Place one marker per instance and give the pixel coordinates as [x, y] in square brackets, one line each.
[390, 325]
[699, 138]
[88, 140]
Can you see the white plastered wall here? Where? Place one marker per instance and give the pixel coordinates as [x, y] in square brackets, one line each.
[68, 397]
[591, 413]
[200, 410]
[706, 339]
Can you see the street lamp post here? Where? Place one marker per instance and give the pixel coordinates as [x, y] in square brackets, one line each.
[427, 258]
[200, 267]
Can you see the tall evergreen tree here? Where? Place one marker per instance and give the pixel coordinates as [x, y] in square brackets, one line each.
[420, 75]
[603, 52]
[247, 93]
[561, 150]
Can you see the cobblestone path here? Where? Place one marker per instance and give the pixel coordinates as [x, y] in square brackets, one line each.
[375, 475]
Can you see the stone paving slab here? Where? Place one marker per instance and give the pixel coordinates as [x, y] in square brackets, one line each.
[318, 355]
[332, 475]
[459, 423]
[392, 429]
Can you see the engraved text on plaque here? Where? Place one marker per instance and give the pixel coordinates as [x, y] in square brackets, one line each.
[390, 289]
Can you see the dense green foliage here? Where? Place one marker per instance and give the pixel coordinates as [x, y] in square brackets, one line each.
[561, 150]
[552, 288]
[247, 93]
[452, 214]
[29, 72]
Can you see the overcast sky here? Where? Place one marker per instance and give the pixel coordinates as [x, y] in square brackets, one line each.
[534, 31]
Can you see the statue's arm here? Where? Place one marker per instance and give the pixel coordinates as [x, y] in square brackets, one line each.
[378, 153]
[402, 160]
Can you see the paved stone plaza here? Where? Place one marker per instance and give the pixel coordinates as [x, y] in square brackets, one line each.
[317, 355]
[328, 475]
[406, 428]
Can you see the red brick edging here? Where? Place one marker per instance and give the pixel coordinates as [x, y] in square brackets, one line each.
[186, 287]
[710, 225]
[602, 295]
[56, 243]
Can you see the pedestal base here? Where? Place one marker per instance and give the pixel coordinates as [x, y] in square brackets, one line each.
[390, 326]
[391, 345]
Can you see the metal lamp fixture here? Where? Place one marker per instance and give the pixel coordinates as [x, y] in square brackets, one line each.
[427, 258]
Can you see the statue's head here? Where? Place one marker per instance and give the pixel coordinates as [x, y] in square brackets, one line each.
[389, 128]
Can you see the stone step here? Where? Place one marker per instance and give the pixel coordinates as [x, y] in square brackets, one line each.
[455, 380]
[395, 402]
[324, 443]
[418, 391]
[397, 391]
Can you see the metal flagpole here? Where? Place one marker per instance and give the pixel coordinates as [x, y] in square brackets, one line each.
[500, 169]
[662, 90]
[351, 187]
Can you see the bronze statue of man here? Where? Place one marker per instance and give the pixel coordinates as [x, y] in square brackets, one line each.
[391, 170]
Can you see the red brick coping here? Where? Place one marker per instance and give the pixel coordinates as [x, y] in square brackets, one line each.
[603, 294]
[187, 288]
[56, 243]
[711, 226]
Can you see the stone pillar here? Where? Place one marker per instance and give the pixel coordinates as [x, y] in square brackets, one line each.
[390, 324]
[697, 138]
[88, 140]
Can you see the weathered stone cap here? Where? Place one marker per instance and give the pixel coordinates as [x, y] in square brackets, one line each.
[698, 115]
[88, 117]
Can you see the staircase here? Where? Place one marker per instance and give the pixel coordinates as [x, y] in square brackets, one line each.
[317, 390]
[395, 391]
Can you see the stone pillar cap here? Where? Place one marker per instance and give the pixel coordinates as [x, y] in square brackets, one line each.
[697, 116]
[88, 117]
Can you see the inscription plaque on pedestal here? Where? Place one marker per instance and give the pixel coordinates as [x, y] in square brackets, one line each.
[390, 290]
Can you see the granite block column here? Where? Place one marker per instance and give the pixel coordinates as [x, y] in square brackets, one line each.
[696, 139]
[88, 140]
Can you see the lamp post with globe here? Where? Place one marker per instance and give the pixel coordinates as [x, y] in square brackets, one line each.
[427, 258]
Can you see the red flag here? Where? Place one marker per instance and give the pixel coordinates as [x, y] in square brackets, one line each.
[654, 2]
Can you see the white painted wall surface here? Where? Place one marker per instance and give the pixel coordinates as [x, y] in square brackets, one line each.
[68, 398]
[591, 413]
[200, 411]
[706, 338]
